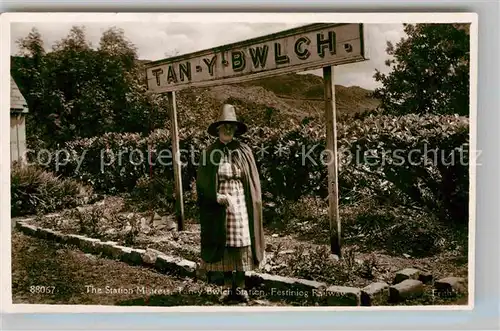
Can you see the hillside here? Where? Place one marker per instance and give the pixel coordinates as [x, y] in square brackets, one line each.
[305, 92]
[271, 102]
[275, 99]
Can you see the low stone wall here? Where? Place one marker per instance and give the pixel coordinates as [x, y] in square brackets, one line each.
[408, 283]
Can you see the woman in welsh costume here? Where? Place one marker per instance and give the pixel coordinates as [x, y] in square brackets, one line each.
[230, 202]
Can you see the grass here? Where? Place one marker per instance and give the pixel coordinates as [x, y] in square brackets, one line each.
[69, 276]
[289, 253]
[66, 275]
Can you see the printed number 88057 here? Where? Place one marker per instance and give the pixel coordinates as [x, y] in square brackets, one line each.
[42, 289]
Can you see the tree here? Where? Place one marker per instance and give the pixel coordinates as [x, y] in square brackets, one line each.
[78, 91]
[430, 71]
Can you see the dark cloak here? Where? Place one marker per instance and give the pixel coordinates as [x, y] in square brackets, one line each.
[213, 214]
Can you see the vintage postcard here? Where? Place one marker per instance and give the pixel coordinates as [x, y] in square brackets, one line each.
[188, 162]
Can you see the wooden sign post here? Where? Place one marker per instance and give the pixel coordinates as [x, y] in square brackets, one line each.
[331, 146]
[176, 163]
[313, 46]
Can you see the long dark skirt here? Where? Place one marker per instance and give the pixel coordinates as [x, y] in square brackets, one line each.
[237, 260]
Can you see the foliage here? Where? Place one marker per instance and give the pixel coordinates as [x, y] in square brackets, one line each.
[424, 158]
[320, 265]
[34, 190]
[389, 158]
[153, 194]
[369, 225]
[76, 91]
[430, 71]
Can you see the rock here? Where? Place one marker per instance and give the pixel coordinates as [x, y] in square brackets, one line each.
[74, 239]
[145, 228]
[121, 253]
[260, 302]
[30, 230]
[175, 265]
[171, 225]
[285, 252]
[342, 296]
[269, 247]
[149, 257]
[334, 257]
[451, 285]
[165, 222]
[425, 277]
[130, 216]
[407, 255]
[201, 274]
[135, 256]
[408, 288]
[408, 273]
[91, 257]
[375, 293]
[187, 268]
[358, 261]
[275, 235]
[279, 285]
[267, 268]
[111, 232]
[52, 235]
[90, 245]
[107, 248]
[280, 266]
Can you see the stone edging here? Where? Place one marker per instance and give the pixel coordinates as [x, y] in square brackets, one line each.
[408, 282]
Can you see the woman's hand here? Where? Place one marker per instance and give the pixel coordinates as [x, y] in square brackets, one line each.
[228, 201]
[231, 204]
[222, 199]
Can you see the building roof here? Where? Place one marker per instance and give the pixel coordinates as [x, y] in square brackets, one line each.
[17, 102]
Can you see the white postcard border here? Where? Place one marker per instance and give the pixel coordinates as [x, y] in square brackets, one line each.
[368, 18]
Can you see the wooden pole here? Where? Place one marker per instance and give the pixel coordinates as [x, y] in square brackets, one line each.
[331, 146]
[179, 203]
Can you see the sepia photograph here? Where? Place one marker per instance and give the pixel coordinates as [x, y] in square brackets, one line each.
[217, 161]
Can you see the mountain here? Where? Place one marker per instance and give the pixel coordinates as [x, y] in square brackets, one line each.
[273, 101]
[299, 95]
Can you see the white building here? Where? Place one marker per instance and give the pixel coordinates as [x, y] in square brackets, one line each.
[18, 111]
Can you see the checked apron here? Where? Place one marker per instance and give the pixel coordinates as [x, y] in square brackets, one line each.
[238, 252]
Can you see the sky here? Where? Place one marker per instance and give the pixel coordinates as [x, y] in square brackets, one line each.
[156, 41]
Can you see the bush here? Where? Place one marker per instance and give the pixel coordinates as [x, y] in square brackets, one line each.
[397, 230]
[368, 224]
[291, 165]
[320, 265]
[155, 193]
[34, 190]
[421, 160]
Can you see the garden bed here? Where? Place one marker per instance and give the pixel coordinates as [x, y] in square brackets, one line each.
[287, 254]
